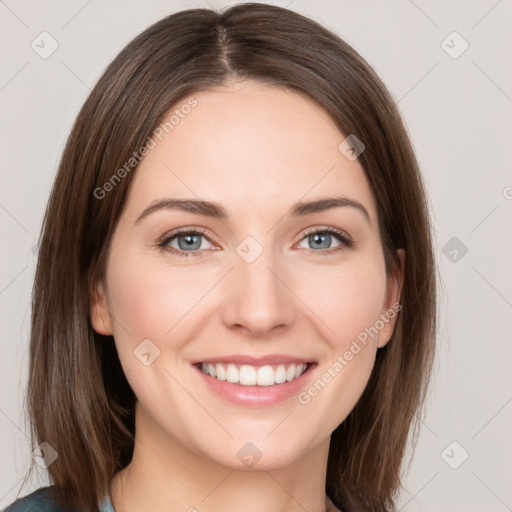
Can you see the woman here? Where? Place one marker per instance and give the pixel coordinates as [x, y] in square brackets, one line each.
[279, 364]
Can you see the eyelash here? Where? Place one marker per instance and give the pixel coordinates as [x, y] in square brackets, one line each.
[346, 242]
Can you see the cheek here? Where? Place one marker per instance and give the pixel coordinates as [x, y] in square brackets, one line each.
[148, 299]
[348, 298]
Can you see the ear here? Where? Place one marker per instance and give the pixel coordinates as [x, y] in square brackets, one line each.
[391, 307]
[100, 314]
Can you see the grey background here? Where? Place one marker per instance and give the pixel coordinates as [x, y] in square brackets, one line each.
[458, 113]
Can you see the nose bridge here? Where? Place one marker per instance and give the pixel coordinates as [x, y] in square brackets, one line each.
[259, 300]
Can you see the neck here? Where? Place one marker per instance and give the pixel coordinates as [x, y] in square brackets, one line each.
[165, 475]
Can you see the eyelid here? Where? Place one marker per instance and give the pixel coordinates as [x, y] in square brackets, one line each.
[323, 229]
[164, 240]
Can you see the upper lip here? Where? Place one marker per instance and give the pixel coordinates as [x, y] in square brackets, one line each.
[271, 359]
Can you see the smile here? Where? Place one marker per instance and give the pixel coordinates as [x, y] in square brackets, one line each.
[255, 380]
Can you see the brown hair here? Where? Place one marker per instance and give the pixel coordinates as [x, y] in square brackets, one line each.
[78, 398]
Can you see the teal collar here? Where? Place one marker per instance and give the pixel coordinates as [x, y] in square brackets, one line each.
[106, 505]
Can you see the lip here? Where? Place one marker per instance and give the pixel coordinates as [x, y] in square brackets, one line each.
[272, 359]
[255, 395]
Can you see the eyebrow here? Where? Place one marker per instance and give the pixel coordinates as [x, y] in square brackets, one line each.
[217, 211]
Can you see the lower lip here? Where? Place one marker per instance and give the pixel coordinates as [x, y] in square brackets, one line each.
[256, 395]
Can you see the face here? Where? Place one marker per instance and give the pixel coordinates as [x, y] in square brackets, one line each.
[286, 304]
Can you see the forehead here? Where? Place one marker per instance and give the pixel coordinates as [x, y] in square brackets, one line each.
[247, 146]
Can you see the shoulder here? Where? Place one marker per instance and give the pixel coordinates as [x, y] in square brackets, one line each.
[38, 501]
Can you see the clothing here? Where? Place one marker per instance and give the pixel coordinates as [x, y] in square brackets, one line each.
[41, 501]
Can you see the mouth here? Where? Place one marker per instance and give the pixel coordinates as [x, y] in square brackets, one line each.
[249, 375]
[248, 381]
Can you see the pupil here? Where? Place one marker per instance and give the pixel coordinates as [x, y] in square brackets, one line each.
[191, 241]
[319, 238]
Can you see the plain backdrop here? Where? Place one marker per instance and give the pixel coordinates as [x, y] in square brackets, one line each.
[448, 65]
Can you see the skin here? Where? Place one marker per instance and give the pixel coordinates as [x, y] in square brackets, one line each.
[256, 150]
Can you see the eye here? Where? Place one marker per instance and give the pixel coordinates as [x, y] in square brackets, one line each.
[189, 241]
[185, 241]
[320, 240]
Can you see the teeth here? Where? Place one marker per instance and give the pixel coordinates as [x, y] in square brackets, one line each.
[221, 373]
[247, 375]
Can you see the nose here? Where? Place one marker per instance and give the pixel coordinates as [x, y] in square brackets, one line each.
[258, 297]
